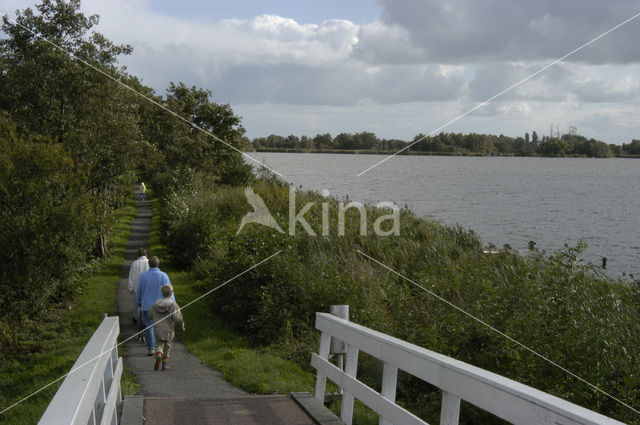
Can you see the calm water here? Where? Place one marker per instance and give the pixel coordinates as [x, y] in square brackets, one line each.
[551, 201]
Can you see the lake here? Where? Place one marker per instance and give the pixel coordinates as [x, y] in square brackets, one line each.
[551, 201]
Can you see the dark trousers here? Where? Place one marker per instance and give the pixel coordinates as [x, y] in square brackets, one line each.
[151, 341]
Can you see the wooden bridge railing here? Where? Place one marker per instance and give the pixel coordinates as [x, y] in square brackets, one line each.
[503, 397]
[90, 394]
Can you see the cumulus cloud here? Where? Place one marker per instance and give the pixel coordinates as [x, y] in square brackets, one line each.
[275, 59]
[381, 43]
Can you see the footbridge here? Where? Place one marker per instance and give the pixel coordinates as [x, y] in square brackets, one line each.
[90, 394]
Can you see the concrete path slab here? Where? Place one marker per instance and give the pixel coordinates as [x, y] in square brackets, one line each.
[263, 410]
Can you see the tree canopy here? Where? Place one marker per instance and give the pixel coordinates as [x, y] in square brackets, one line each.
[73, 143]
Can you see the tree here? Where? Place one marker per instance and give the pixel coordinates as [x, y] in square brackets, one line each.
[306, 143]
[522, 147]
[344, 141]
[47, 93]
[212, 147]
[46, 226]
[553, 147]
[43, 86]
[322, 141]
[274, 141]
[632, 148]
[615, 149]
[367, 140]
[534, 138]
[291, 141]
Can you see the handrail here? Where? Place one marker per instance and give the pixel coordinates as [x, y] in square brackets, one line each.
[90, 393]
[503, 397]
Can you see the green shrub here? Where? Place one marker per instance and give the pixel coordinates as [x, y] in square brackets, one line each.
[46, 231]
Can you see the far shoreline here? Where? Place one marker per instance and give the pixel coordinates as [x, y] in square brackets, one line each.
[422, 153]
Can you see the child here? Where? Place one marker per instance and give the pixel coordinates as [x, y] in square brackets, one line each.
[164, 313]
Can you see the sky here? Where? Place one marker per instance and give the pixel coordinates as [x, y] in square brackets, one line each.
[393, 67]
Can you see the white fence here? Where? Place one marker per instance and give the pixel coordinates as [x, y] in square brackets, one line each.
[90, 394]
[507, 399]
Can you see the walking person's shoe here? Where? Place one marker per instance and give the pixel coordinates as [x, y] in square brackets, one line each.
[152, 351]
[164, 363]
[159, 360]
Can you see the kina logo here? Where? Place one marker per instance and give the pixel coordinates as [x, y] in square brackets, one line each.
[260, 215]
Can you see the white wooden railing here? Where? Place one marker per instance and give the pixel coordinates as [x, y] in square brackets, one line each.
[503, 397]
[90, 394]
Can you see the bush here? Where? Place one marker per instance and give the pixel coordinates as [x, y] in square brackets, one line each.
[45, 229]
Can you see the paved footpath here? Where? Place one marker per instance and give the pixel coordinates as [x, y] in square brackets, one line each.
[189, 392]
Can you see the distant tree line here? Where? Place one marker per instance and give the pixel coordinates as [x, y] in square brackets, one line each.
[570, 144]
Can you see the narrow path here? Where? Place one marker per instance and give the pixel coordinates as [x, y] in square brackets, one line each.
[189, 392]
[188, 376]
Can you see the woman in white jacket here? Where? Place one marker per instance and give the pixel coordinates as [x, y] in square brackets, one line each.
[138, 267]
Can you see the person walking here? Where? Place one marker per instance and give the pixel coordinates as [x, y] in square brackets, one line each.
[138, 266]
[149, 291]
[165, 314]
[143, 190]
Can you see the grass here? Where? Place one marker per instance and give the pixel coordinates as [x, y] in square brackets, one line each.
[62, 340]
[254, 369]
[362, 415]
[258, 370]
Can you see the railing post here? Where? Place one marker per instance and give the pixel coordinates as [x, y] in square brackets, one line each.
[351, 369]
[450, 412]
[323, 353]
[339, 348]
[389, 382]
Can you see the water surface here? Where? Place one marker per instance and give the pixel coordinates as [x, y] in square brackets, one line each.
[551, 201]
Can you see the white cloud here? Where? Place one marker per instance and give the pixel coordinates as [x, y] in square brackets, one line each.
[274, 59]
[381, 43]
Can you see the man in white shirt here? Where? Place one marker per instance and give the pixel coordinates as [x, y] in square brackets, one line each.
[138, 267]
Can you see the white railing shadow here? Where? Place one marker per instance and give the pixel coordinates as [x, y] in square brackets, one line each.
[90, 394]
[503, 397]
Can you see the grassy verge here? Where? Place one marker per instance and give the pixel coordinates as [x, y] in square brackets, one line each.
[254, 369]
[63, 339]
[259, 370]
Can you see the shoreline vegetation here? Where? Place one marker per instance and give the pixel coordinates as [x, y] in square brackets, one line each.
[449, 144]
[566, 310]
[414, 153]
